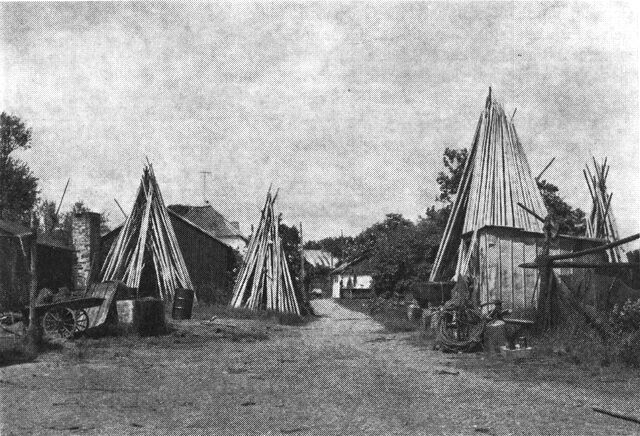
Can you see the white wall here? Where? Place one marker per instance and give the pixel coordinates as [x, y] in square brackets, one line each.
[342, 281]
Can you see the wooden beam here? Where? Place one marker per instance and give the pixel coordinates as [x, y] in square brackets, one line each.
[538, 217]
[581, 265]
[595, 249]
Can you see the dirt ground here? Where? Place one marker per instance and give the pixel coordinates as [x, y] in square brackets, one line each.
[338, 375]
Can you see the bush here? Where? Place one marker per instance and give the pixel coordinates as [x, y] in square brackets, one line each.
[625, 318]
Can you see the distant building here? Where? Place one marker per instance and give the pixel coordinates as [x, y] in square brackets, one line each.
[353, 279]
[212, 221]
[319, 264]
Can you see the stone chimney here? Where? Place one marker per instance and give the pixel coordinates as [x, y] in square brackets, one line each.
[85, 237]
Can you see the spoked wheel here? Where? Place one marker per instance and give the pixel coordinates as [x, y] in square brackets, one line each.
[82, 321]
[59, 323]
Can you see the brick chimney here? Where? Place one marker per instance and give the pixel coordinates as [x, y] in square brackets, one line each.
[85, 237]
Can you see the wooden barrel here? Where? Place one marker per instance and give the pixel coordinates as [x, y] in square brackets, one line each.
[182, 304]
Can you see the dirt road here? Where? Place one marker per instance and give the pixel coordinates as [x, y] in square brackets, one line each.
[338, 375]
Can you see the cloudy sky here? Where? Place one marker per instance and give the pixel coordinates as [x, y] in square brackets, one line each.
[346, 107]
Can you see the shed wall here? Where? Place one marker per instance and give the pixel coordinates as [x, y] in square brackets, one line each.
[207, 260]
[496, 270]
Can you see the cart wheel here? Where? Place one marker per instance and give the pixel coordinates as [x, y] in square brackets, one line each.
[58, 322]
[82, 321]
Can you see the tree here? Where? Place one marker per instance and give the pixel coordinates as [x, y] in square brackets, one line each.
[18, 185]
[449, 179]
[46, 210]
[570, 221]
[291, 245]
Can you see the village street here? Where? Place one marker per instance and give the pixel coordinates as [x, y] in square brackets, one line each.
[338, 375]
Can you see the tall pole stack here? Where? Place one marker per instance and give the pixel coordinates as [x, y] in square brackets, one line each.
[264, 282]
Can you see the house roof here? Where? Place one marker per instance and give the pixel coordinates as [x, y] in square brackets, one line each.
[318, 258]
[359, 265]
[17, 229]
[207, 218]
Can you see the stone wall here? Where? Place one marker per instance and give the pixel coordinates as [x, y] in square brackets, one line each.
[85, 237]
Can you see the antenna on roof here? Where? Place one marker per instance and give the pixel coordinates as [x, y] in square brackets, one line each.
[204, 185]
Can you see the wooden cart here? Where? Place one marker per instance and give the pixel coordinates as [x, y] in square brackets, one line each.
[63, 319]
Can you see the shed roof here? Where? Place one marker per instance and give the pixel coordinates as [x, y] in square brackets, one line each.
[318, 258]
[46, 240]
[207, 218]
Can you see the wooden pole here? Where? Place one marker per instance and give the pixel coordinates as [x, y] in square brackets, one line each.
[617, 415]
[121, 209]
[582, 265]
[544, 169]
[34, 333]
[303, 287]
[538, 217]
[595, 249]
[62, 198]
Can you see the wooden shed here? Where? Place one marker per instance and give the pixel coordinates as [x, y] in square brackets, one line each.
[55, 261]
[488, 235]
[208, 259]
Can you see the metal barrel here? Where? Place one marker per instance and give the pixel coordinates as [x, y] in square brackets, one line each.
[182, 304]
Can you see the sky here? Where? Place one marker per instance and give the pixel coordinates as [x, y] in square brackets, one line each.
[346, 107]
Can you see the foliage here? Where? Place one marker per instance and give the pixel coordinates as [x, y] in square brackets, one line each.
[60, 225]
[291, 246]
[449, 179]
[626, 318]
[571, 221]
[399, 251]
[47, 218]
[18, 185]
[235, 264]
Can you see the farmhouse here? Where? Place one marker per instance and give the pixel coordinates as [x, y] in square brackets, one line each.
[353, 279]
[488, 235]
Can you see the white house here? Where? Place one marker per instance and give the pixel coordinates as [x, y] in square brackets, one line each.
[352, 279]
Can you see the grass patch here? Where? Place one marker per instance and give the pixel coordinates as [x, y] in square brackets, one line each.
[205, 312]
[393, 318]
[580, 344]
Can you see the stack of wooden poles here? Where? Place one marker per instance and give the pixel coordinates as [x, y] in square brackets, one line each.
[601, 221]
[264, 281]
[147, 240]
[495, 178]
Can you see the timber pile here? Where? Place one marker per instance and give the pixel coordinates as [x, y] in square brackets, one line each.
[147, 240]
[601, 222]
[496, 177]
[264, 281]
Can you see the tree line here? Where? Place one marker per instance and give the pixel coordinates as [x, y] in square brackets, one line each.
[401, 252]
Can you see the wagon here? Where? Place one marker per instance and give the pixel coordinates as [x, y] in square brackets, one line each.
[65, 318]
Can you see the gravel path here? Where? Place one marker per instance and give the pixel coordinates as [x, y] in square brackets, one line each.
[338, 375]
